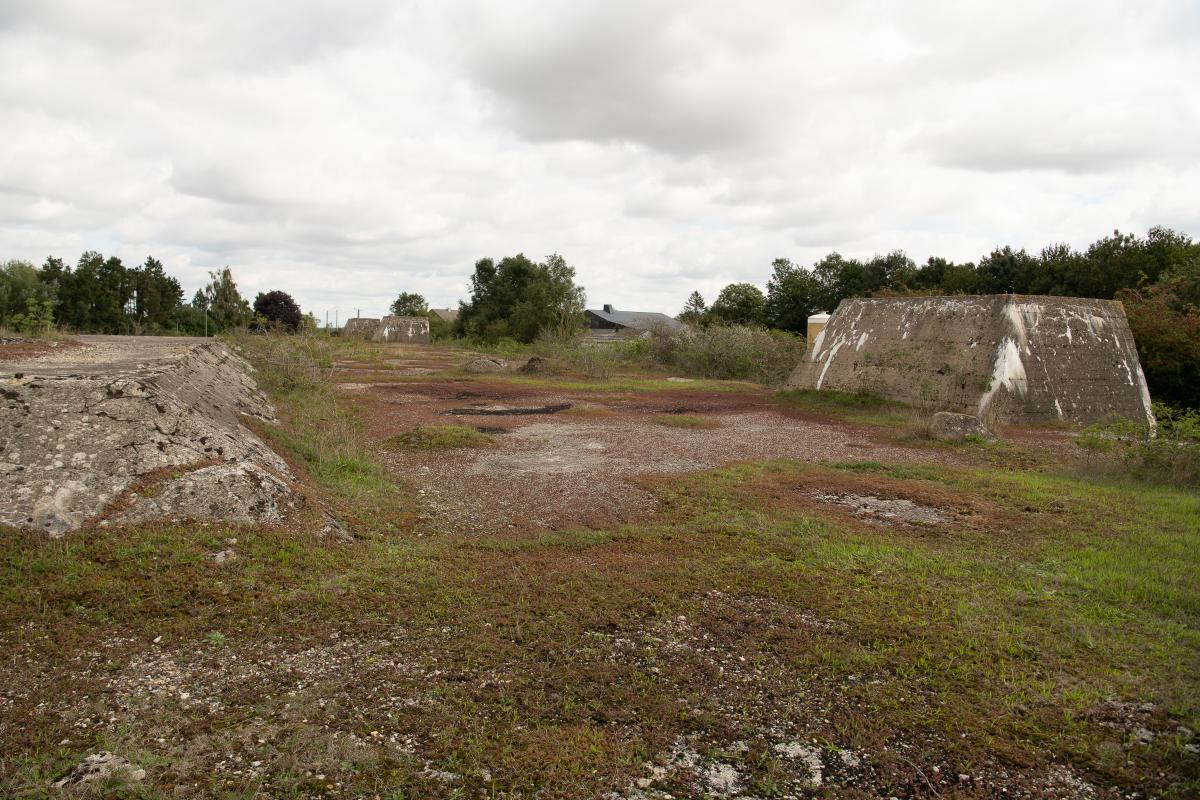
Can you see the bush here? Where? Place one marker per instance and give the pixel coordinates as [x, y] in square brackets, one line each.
[287, 362]
[1166, 327]
[438, 437]
[736, 352]
[38, 319]
[1167, 453]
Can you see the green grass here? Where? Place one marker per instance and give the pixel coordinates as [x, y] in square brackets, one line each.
[438, 437]
[1009, 634]
[560, 662]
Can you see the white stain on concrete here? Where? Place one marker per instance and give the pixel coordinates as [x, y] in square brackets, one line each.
[1008, 372]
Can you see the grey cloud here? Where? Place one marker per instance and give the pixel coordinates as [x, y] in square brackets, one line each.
[346, 151]
[622, 72]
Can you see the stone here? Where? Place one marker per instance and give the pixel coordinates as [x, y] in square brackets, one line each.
[101, 767]
[486, 365]
[952, 427]
[535, 364]
[1010, 358]
[237, 493]
[222, 557]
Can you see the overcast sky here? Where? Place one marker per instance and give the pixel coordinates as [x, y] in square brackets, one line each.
[344, 151]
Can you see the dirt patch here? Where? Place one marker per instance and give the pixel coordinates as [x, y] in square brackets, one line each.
[19, 350]
[585, 465]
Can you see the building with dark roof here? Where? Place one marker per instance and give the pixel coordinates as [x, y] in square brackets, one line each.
[608, 324]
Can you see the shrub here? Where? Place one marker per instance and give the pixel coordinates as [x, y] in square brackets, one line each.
[287, 363]
[438, 437]
[1166, 328]
[737, 352]
[38, 319]
[277, 308]
[1167, 453]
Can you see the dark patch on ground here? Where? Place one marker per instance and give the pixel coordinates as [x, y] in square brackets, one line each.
[506, 412]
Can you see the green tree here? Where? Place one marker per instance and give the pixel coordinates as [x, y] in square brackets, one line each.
[1166, 329]
[1000, 270]
[156, 297]
[740, 304]
[278, 308]
[20, 282]
[793, 294]
[409, 304]
[37, 319]
[518, 298]
[940, 276]
[226, 307]
[694, 310]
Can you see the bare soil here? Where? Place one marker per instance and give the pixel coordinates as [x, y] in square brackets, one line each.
[579, 458]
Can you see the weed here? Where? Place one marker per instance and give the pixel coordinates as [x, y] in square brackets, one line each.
[1167, 453]
[438, 437]
[728, 351]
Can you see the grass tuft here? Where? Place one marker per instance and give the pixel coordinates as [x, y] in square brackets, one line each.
[438, 437]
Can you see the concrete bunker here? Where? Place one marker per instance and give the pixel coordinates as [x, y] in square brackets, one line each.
[413, 330]
[1010, 358]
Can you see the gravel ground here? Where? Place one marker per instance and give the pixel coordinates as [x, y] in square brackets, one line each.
[580, 466]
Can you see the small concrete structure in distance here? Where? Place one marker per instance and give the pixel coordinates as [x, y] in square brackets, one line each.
[1006, 358]
[816, 324]
[413, 330]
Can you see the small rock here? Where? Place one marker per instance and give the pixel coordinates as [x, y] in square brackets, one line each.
[222, 557]
[953, 427]
[487, 365]
[535, 364]
[100, 767]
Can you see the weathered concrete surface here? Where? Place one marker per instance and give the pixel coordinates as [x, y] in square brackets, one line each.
[414, 330]
[360, 326]
[78, 429]
[411, 330]
[1007, 358]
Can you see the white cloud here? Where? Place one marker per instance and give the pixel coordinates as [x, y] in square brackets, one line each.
[346, 151]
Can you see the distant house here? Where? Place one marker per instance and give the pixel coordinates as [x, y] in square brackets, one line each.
[445, 314]
[607, 324]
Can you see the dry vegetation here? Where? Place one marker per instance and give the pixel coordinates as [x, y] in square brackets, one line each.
[748, 637]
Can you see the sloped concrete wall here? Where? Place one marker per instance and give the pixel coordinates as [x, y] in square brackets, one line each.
[360, 326]
[1015, 359]
[76, 434]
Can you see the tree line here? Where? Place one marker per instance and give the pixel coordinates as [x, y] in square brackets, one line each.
[1156, 277]
[102, 295]
[1105, 268]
